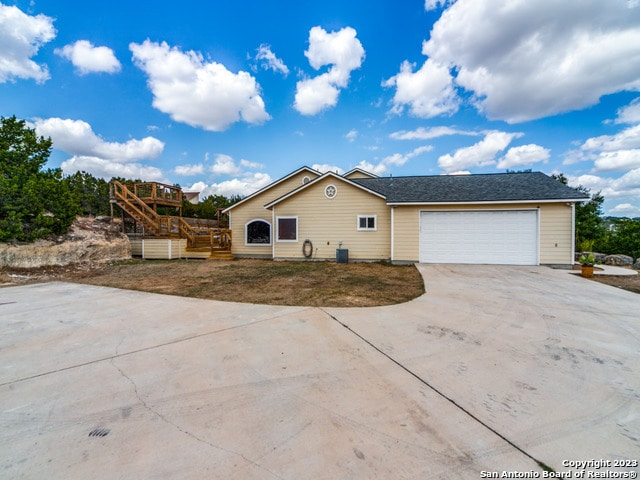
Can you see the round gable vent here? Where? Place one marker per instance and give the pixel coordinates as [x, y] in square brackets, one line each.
[330, 191]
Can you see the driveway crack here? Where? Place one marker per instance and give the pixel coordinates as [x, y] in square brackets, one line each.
[182, 430]
[541, 464]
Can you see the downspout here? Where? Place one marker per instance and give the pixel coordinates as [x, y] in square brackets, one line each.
[573, 233]
[273, 232]
[392, 233]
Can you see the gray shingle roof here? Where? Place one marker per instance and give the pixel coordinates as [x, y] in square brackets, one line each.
[494, 187]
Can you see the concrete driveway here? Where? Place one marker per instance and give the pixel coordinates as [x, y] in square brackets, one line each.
[494, 369]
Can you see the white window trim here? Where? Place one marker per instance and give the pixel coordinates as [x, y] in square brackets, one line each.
[375, 221]
[278, 229]
[247, 244]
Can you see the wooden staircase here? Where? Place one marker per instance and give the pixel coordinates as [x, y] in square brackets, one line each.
[215, 240]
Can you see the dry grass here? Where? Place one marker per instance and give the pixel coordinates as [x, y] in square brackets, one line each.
[325, 284]
[263, 281]
[631, 283]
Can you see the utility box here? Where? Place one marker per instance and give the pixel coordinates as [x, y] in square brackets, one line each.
[342, 255]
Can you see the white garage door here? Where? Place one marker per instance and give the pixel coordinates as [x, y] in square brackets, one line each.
[508, 237]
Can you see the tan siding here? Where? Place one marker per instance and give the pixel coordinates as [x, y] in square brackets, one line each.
[136, 247]
[554, 228]
[406, 222]
[555, 234]
[163, 249]
[326, 222]
[155, 249]
[254, 209]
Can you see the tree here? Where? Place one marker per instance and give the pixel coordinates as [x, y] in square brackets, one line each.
[91, 192]
[33, 202]
[590, 229]
[209, 207]
[624, 237]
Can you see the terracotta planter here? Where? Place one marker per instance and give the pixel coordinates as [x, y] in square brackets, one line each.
[587, 271]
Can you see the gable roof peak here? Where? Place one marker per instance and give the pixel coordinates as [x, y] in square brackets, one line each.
[273, 184]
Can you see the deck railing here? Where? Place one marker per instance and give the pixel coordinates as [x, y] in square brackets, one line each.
[158, 193]
[198, 234]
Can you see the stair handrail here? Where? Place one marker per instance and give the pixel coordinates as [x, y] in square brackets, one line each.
[187, 230]
[148, 216]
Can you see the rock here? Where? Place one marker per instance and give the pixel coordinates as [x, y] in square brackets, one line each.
[88, 241]
[619, 260]
[637, 264]
[598, 256]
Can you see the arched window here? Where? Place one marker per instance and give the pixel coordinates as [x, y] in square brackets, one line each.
[258, 232]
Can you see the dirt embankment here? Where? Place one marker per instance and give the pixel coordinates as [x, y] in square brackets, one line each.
[89, 241]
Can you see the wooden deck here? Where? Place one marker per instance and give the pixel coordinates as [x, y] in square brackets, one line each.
[139, 203]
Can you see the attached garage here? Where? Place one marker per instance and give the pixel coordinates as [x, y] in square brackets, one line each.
[507, 237]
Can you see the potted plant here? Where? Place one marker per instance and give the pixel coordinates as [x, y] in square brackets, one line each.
[587, 262]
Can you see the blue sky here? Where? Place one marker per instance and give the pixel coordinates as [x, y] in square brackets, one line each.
[226, 97]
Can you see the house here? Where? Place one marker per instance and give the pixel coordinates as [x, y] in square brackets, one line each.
[505, 218]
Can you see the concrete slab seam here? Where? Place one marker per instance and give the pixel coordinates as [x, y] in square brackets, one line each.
[541, 464]
[133, 352]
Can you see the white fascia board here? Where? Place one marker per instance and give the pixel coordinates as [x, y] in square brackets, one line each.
[317, 179]
[492, 202]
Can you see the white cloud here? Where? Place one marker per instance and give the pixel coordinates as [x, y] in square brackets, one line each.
[93, 154]
[434, 4]
[244, 185]
[524, 155]
[225, 165]
[625, 209]
[189, 170]
[429, 92]
[480, 154]
[617, 152]
[21, 36]
[523, 60]
[629, 113]
[315, 94]
[251, 165]
[422, 133]
[625, 189]
[99, 167]
[344, 52]
[394, 160]
[351, 135]
[76, 137]
[269, 60]
[196, 92]
[620, 160]
[379, 169]
[88, 58]
[626, 139]
[398, 159]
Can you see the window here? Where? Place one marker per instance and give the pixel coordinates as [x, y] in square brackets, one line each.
[258, 232]
[366, 222]
[287, 229]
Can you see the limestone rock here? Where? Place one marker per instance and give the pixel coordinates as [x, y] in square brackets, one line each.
[637, 264]
[598, 256]
[89, 240]
[618, 260]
